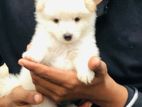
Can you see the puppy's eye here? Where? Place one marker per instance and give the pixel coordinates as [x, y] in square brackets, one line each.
[56, 20]
[77, 19]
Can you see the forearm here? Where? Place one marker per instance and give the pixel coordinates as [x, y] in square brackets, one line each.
[115, 95]
[134, 98]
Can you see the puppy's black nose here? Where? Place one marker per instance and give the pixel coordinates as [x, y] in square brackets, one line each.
[67, 36]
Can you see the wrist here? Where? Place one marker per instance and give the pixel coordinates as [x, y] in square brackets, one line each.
[121, 96]
[115, 95]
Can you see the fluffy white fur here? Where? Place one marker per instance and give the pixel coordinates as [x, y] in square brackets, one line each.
[55, 18]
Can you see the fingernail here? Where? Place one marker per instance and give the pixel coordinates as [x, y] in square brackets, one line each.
[20, 62]
[37, 98]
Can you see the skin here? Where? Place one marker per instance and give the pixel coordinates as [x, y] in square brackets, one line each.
[60, 85]
[20, 97]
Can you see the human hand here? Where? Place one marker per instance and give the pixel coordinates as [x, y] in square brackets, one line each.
[62, 85]
[19, 97]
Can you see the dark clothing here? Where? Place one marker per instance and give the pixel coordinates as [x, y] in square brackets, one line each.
[119, 37]
[16, 28]
[118, 34]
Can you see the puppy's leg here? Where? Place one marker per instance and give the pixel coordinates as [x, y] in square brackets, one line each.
[4, 71]
[84, 74]
[35, 53]
[38, 47]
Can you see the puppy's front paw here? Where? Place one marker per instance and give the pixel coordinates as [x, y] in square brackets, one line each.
[4, 71]
[32, 55]
[86, 76]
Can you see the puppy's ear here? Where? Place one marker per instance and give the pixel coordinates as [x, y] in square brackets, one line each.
[91, 4]
[40, 5]
[97, 1]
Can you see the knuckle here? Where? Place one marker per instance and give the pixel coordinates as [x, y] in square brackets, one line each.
[62, 93]
[57, 99]
[72, 81]
[72, 84]
[75, 82]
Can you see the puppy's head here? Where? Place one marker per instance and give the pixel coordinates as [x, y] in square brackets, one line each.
[66, 20]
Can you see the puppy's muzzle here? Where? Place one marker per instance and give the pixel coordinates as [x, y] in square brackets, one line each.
[67, 37]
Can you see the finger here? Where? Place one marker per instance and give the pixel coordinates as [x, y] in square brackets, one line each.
[48, 88]
[49, 94]
[61, 76]
[19, 95]
[98, 66]
[56, 89]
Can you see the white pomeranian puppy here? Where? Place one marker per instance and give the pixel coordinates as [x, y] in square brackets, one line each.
[64, 38]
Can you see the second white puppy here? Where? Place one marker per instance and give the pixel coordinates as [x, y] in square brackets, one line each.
[64, 38]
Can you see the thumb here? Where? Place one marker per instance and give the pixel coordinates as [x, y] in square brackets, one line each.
[98, 66]
[20, 95]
